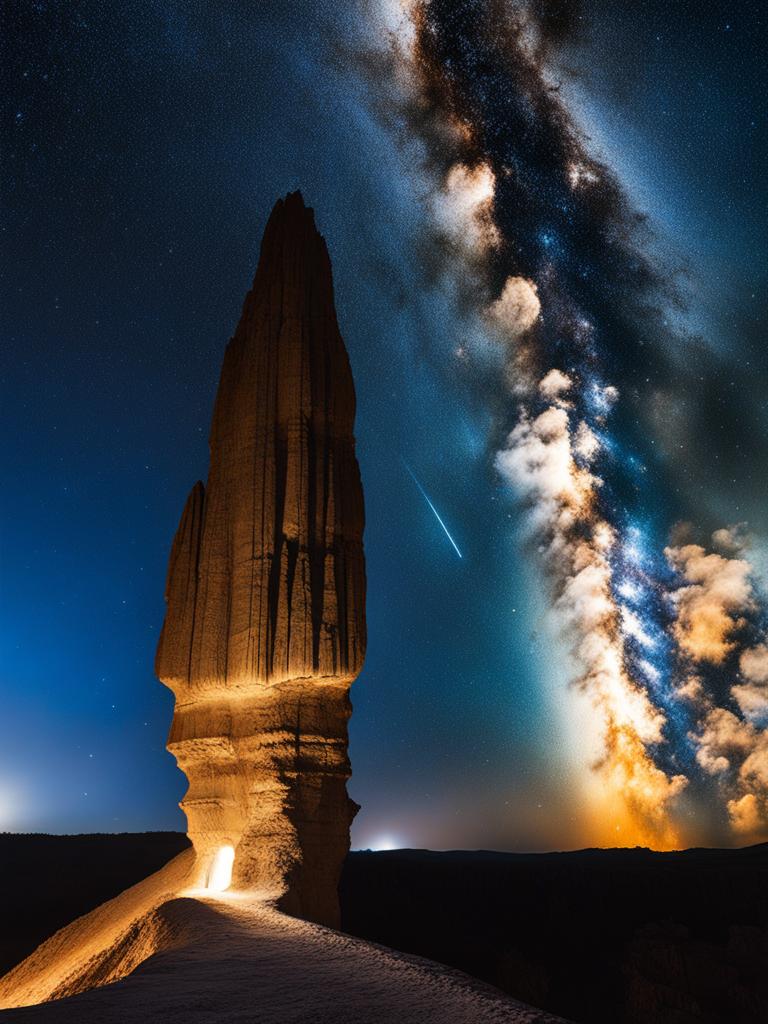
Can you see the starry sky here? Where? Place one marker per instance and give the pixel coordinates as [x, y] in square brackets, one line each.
[143, 148]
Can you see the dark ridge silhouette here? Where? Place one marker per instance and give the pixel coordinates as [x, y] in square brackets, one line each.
[48, 881]
[597, 936]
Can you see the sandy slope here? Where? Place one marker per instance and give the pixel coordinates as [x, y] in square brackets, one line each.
[102, 946]
[232, 958]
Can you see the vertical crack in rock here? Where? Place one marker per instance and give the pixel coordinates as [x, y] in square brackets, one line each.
[265, 625]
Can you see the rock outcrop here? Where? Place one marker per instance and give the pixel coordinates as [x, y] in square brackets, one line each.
[265, 624]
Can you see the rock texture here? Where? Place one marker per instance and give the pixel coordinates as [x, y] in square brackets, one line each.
[265, 623]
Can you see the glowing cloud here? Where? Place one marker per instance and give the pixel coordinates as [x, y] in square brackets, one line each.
[713, 606]
[580, 175]
[737, 753]
[753, 663]
[723, 741]
[745, 814]
[625, 790]
[710, 607]
[463, 208]
[517, 308]
[751, 693]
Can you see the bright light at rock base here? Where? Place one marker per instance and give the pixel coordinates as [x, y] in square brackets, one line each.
[220, 871]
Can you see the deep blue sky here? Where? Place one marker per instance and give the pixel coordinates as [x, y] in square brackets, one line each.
[143, 147]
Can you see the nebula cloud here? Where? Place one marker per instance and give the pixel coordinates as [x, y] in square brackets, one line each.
[463, 209]
[516, 310]
[718, 623]
[752, 693]
[546, 459]
[709, 608]
[542, 245]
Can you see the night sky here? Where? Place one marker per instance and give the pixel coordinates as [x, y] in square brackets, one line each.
[143, 148]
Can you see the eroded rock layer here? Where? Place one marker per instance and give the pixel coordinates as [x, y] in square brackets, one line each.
[265, 622]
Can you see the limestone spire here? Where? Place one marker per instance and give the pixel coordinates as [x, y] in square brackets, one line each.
[265, 624]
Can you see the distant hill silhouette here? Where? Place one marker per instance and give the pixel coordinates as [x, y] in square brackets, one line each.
[598, 936]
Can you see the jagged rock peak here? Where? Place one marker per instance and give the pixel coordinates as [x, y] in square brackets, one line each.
[272, 584]
[265, 623]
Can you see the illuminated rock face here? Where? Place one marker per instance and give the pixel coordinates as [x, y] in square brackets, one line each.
[265, 624]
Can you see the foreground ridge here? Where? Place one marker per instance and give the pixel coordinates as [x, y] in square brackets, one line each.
[235, 954]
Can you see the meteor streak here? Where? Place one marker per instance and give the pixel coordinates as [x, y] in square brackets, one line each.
[437, 514]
